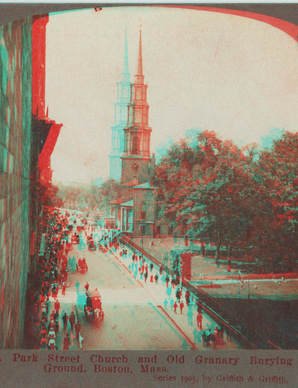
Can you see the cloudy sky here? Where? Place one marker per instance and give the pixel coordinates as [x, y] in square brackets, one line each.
[232, 75]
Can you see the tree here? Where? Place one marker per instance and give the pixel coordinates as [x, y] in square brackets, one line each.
[204, 187]
[108, 191]
[276, 234]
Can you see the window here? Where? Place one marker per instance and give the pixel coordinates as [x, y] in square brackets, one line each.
[143, 210]
[135, 145]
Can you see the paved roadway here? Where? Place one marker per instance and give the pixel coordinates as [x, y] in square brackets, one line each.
[131, 320]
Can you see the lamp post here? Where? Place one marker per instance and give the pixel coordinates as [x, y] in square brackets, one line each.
[141, 226]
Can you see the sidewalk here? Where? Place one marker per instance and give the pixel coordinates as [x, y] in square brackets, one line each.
[184, 324]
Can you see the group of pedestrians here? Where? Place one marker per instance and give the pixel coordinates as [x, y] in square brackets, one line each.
[51, 277]
[177, 299]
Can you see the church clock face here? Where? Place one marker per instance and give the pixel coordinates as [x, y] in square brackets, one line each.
[135, 166]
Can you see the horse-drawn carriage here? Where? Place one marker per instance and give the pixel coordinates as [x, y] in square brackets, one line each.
[75, 239]
[93, 307]
[90, 243]
[82, 266]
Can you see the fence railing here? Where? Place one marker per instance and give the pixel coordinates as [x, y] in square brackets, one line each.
[210, 304]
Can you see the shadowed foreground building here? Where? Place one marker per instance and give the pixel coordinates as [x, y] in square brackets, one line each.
[26, 140]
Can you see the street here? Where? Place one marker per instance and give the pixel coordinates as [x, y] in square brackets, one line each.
[134, 314]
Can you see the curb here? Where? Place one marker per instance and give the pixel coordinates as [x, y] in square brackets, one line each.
[193, 346]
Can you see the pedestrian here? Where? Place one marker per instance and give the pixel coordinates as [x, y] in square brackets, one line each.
[172, 303]
[43, 334]
[57, 306]
[187, 296]
[169, 291]
[173, 282]
[220, 330]
[178, 294]
[145, 276]
[239, 275]
[63, 288]
[81, 339]
[151, 278]
[229, 268]
[57, 290]
[151, 267]
[51, 337]
[229, 333]
[72, 320]
[66, 342]
[165, 303]
[56, 327]
[146, 268]
[175, 307]
[65, 320]
[163, 279]
[190, 316]
[56, 315]
[87, 287]
[195, 335]
[181, 306]
[77, 329]
[160, 269]
[199, 320]
[167, 279]
[156, 278]
[48, 304]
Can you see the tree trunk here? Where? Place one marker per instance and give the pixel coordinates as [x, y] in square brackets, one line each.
[203, 248]
[228, 254]
[217, 257]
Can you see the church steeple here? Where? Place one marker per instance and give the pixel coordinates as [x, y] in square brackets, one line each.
[123, 99]
[125, 76]
[139, 77]
[137, 133]
[140, 60]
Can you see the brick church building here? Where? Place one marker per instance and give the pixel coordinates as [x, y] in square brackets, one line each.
[131, 162]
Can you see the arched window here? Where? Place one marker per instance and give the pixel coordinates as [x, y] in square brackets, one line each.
[135, 145]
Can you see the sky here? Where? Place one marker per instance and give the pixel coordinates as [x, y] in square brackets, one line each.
[228, 74]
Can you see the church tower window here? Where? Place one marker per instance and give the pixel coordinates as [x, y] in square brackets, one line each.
[135, 145]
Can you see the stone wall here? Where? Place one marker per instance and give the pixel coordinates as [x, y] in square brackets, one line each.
[15, 151]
